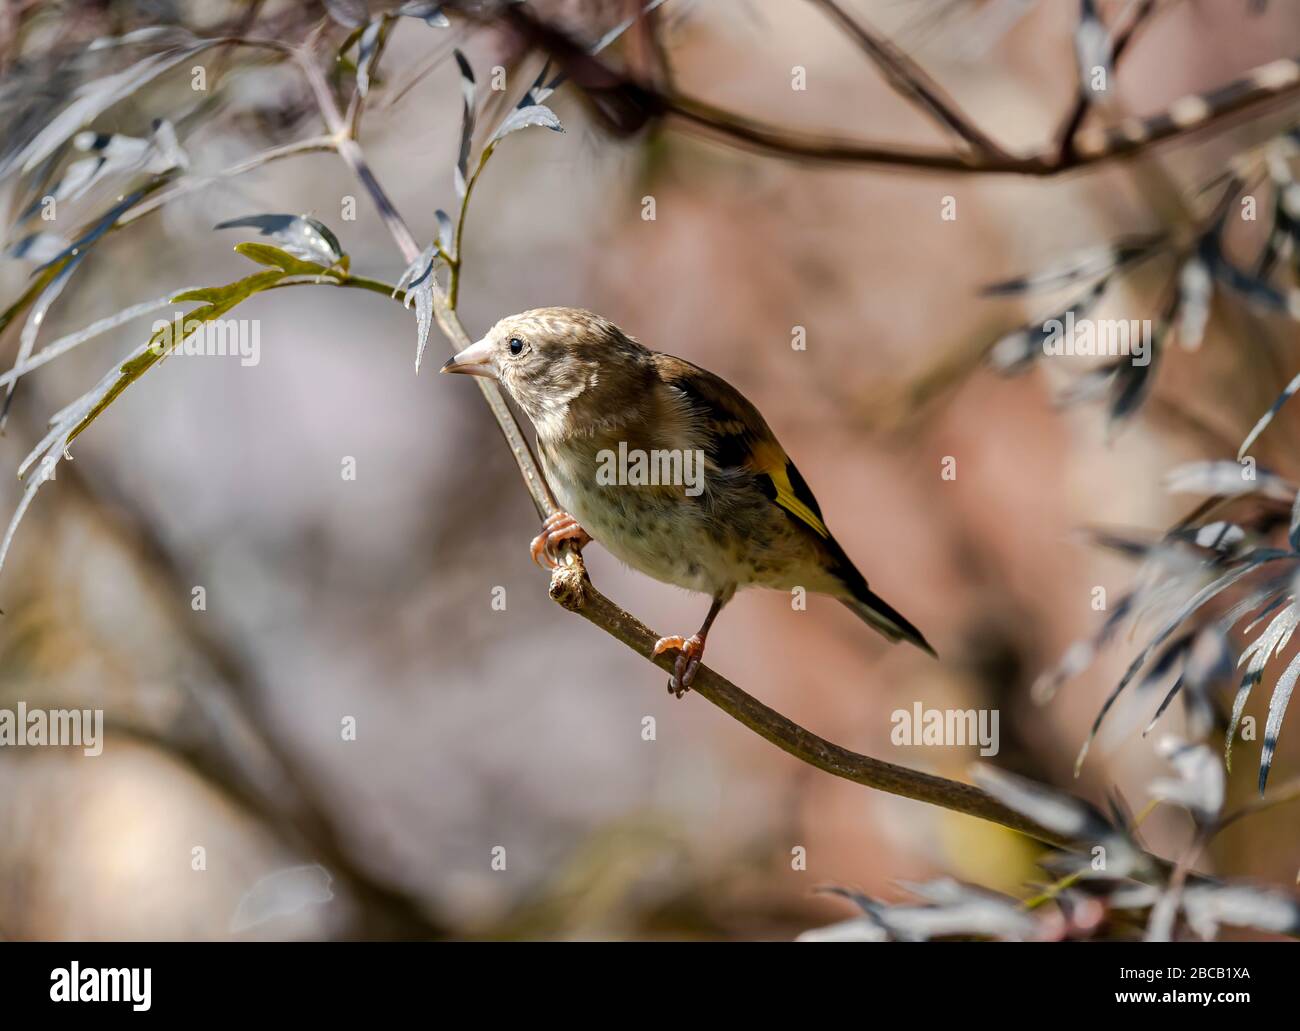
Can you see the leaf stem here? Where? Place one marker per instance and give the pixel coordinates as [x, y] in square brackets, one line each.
[454, 262]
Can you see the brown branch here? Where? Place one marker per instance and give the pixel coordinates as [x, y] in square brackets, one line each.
[912, 81]
[572, 588]
[1091, 148]
[626, 105]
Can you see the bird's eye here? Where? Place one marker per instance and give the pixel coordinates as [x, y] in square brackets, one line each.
[516, 345]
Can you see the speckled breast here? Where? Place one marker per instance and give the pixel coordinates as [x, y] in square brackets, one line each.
[707, 543]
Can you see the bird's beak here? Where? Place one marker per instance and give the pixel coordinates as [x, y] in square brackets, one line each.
[475, 360]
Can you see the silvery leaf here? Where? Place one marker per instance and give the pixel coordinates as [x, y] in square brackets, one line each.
[1208, 905]
[1200, 783]
[91, 100]
[1092, 48]
[301, 235]
[1267, 417]
[523, 117]
[1195, 292]
[1069, 817]
[859, 929]
[72, 257]
[366, 51]
[466, 121]
[351, 14]
[1226, 477]
[430, 13]
[39, 247]
[417, 281]
[1276, 710]
[446, 231]
[282, 893]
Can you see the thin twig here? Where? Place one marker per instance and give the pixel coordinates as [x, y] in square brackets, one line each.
[1288, 793]
[190, 184]
[912, 81]
[357, 105]
[350, 151]
[627, 105]
[572, 588]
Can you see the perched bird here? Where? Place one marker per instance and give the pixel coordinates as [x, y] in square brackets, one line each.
[669, 468]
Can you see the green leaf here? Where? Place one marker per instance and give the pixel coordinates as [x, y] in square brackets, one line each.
[232, 293]
[216, 301]
[39, 282]
[276, 257]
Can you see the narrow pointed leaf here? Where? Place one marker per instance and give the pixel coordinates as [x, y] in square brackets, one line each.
[466, 121]
[1276, 711]
[366, 50]
[1286, 395]
[430, 13]
[350, 14]
[417, 281]
[446, 233]
[523, 118]
[300, 235]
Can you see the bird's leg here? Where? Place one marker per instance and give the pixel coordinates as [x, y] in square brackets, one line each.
[690, 649]
[558, 526]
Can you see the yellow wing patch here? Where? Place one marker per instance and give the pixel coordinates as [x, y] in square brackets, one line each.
[785, 497]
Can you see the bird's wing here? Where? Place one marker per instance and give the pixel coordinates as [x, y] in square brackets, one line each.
[739, 439]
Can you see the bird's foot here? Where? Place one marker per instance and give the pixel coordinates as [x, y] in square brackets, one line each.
[690, 650]
[558, 527]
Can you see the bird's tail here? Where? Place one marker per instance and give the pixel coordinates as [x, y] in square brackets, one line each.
[882, 617]
[874, 610]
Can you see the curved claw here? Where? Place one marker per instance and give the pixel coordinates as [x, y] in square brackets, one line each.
[690, 651]
[557, 527]
[537, 549]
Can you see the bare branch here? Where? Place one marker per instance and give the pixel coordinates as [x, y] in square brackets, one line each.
[572, 588]
[192, 183]
[350, 151]
[626, 105]
[912, 81]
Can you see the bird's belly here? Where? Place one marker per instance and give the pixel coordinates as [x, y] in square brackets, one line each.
[656, 534]
[677, 541]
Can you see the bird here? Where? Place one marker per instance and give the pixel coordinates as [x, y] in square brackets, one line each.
[669, 468]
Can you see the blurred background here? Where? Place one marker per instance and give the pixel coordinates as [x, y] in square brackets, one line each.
[371, 600]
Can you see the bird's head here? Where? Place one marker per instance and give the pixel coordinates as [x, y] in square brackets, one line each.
[564, 367]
